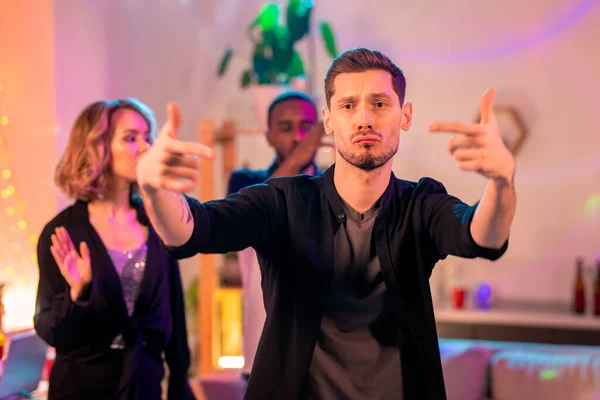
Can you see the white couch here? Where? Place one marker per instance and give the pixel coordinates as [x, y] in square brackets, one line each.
[476, 370]
[482, 370]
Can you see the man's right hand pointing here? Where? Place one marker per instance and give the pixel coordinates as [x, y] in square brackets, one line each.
[170, 163]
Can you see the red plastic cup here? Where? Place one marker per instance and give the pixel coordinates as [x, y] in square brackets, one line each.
[458, 298]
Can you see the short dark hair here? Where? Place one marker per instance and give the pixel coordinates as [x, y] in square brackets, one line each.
[360, 60]
[289, 95]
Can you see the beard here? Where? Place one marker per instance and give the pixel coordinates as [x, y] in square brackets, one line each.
[367, 161]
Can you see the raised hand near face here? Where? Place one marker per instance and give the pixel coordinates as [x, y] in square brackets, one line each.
[305, 151]
[479, 147]
[170, 163]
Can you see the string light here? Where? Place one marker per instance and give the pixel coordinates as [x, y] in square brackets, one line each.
[18, 258]
[21, 208]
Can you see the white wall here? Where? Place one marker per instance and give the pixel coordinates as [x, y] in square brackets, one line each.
[541, 56]
[81, 52]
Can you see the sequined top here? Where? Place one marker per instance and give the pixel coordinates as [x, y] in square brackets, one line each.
[130, 266]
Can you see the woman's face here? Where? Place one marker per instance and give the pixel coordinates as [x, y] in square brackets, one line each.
[130, 139]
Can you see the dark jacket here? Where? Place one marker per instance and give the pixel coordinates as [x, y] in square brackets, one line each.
[244, 177]
[82, 331]
[291, 222]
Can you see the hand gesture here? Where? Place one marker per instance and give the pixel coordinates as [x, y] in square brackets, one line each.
[170, 163]
[75, 267]
[479, 147]
[305, 151]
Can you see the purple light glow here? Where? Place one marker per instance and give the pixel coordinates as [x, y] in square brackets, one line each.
[511, 45]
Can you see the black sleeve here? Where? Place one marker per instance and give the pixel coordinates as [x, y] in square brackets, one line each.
[248, 218]
[177, 353]
[448, 223]
[58, 320]
[237, 181]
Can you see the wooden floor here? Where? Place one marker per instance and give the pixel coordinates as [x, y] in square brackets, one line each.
[41, 394]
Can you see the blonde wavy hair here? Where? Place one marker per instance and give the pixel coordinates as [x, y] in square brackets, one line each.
[84, 166]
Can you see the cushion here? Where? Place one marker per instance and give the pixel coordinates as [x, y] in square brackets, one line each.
[223, 386]
[465, 372]
[523, 374]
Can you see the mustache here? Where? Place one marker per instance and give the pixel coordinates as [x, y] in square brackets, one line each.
[365, 133]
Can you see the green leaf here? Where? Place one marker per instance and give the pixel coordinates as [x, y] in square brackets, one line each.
[269, 37]
[262, 64]
[283, 50]
[191, 296]
[328, 39]
[268, 17]
[298, 18]
[296, 66]
[224, 63]
[246, 79]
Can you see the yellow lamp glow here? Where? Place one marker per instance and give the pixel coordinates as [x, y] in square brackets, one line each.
[231, 362]
[19, 306]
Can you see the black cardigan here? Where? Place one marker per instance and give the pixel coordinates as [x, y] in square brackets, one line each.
[291, 222]
[83, 331]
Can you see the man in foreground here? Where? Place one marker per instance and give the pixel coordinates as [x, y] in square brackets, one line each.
[345, 256]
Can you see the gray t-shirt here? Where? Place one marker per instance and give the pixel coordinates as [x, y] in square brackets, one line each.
[351, 359]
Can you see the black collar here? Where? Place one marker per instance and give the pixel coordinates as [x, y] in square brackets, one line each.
[335, 201]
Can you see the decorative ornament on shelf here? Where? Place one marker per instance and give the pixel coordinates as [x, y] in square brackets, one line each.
[483, 296]
[512, 126]
[275, 63]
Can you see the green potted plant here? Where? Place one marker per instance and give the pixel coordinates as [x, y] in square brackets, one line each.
[275, 62]
[191, 312]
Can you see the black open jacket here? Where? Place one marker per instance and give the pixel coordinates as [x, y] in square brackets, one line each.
[291, 222]
[83, 331]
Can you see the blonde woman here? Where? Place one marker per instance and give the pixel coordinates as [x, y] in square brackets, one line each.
[109, 297]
